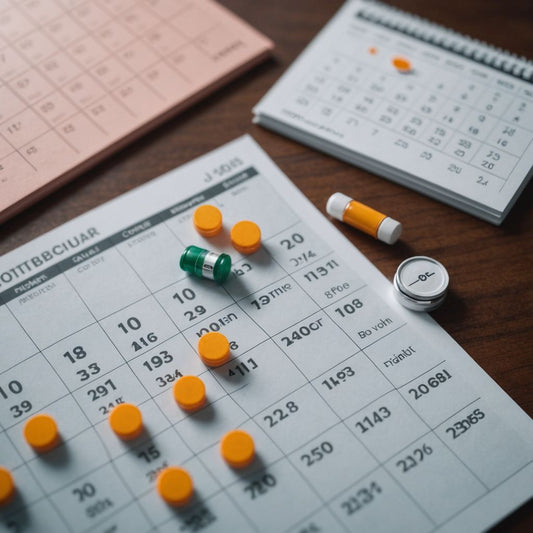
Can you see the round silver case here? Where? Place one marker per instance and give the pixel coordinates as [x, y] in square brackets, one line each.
[421, 283]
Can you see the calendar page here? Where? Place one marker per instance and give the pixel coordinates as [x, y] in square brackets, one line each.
[365, 416]
[80, 79]
[415, 103]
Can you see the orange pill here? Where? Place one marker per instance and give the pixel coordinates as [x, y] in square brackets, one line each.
[126, 421]
[41, 433]
[246, 237]
[213, 348]
[7, 486]
[237, 448]
[189, 393]
[373, 50]
[401, 64]
[207, 220]
[175, 486]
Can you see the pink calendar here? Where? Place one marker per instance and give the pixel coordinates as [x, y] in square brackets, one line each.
[79, 79]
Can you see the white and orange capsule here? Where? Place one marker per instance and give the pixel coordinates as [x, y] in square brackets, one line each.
[363, 218]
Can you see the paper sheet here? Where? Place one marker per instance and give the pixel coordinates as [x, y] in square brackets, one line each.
[365, 416]
[79, 80]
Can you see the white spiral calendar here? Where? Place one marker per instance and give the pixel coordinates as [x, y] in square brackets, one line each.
[365, 416]
[414, 102]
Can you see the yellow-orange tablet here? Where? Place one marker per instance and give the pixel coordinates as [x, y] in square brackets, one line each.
[7, 486]
[401, 64]
[41, 432]
[126, 421]
[175, 486]
[207, 220]
[246, 237]
[189, 393]
[213, 348]
[237, 448]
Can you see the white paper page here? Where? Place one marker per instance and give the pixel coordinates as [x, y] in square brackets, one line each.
[365, 416]
[452, 127]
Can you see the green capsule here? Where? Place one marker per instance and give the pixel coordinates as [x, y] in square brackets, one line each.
[206, 264]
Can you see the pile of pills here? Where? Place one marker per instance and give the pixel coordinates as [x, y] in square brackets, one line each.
[174, 484]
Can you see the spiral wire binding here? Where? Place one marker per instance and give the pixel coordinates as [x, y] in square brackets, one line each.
[423, 30]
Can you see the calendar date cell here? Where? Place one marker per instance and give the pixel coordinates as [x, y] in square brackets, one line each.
[438, 394]
[83, 357]
[99, 397]
[365, 506]
[92, 497]
[106, 282]
[252, 378]
[403, 355]
[303, 409]
[26, 389]
[160, 368]
[475, 434]
[428, 460]
[323, 461]
[69, 417]
[266, 452]
[388, 415]
[190, 301]
[278, 304]
[40, 517]
[142, 464]
[268, 489]
[510, 139]
[121, 521]
[309, 344]
[16, 344]
[159, 512]
[139, 327]
[350, 385]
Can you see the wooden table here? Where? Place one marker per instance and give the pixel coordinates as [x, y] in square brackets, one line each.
[489, 309]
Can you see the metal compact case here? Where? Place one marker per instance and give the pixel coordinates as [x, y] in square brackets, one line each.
[421, 283]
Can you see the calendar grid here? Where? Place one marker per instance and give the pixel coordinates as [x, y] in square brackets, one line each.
[343, 421]
[78, 79]
[349, 403]
[432, 122]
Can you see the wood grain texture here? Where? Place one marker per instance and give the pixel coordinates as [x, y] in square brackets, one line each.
[489, 311]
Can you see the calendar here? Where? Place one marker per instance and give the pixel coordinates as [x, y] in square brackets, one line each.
[414, 102]
[365, 416]
[80, 79]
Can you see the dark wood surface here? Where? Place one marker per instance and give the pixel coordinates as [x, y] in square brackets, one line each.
[489, 309]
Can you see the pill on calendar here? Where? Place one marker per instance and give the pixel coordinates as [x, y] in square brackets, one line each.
[401, 64]
[41, 432]
[237, 448]
[205, 264]
[207, 220]
[7, 486]
[213, 348]
[189, 393]
[175, 486]
[421, 283]
[363, 218]
[246, 237]
[126, 421]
